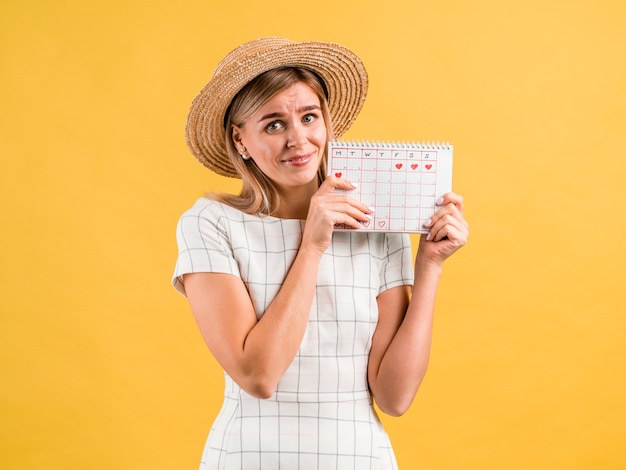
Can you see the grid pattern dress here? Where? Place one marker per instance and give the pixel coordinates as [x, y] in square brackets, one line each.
[320, 415]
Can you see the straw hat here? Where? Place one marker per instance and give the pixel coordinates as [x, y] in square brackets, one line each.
[341, 70]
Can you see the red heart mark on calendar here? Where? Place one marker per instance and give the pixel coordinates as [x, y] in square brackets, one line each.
[428, 166]
[381, 224]
[338, 175]
[398, 165]
[414, 166]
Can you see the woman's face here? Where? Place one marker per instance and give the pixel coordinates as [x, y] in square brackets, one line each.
[286, 137]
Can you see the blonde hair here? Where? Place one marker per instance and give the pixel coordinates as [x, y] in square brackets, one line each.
[258, 193]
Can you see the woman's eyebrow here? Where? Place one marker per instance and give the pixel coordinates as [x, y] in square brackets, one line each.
[303, 109]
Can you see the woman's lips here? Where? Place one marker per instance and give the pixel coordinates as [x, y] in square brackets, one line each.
[298, 160]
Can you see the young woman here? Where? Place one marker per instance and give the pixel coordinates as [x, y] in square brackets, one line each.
[310, 325]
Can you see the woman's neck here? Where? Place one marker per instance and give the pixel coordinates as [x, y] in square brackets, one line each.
[294, 202]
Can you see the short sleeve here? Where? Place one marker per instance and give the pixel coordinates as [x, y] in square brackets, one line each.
[397, 268]
[203, 239]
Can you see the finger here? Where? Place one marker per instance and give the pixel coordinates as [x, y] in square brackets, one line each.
[349, 221]
[449, 209]
[440, 228]
[452, 198]
[332, 182]
[454, 234]
[352, 208]
[327, 193]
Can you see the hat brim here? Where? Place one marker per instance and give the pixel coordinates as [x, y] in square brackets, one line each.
[342, 71]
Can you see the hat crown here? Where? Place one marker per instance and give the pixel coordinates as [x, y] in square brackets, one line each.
[252, 49]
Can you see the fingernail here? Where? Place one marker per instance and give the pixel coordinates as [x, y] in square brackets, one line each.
[439, 201]
[354, 185]
[428, 237]
[371, 209]
[428, 223]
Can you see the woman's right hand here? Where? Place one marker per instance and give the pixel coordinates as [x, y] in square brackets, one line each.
[328, 209]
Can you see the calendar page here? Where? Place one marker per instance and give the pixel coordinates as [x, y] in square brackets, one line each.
[401, 182]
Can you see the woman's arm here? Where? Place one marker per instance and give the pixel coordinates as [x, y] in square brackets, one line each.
[256, 353]
[402, 340]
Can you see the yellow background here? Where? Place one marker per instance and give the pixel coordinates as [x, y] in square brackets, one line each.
[102, 366]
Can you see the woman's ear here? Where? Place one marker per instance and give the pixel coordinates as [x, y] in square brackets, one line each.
[241, 148]
[236, 136]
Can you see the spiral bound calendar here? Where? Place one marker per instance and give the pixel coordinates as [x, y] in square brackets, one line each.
[401, 181]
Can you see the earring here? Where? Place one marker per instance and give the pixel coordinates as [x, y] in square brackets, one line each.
[242, 155]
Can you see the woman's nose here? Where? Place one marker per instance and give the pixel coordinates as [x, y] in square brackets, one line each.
[296, 136]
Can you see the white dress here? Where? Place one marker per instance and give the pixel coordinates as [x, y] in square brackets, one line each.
[321, 414]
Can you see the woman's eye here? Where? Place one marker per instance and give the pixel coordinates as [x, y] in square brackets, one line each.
[274, 126]
[309, 118]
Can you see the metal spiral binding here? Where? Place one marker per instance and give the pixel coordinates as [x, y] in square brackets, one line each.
[392, 145]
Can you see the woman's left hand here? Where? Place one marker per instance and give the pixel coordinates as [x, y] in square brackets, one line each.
[448, 230]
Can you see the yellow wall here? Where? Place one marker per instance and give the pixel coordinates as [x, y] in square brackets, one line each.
[101, 363]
